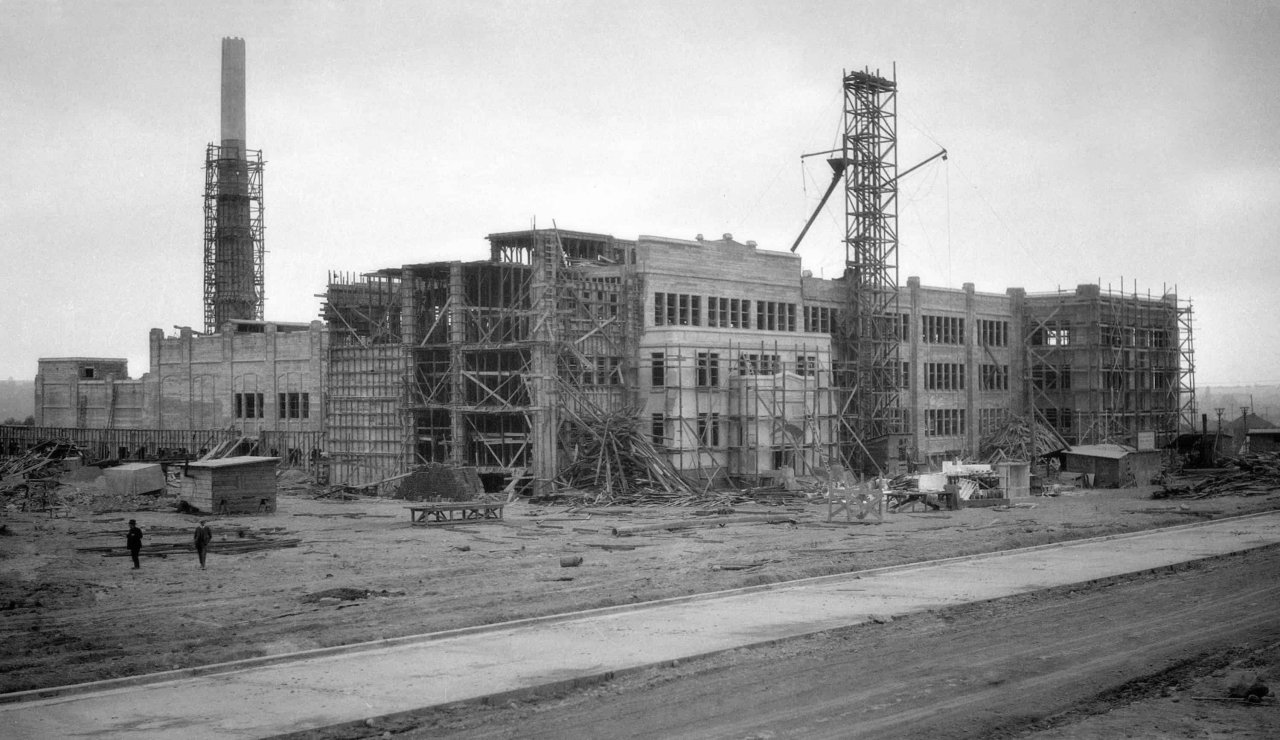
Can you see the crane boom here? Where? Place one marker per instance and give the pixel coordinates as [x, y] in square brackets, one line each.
[838, 167]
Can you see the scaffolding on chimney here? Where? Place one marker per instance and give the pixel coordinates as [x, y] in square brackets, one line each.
[233, 236]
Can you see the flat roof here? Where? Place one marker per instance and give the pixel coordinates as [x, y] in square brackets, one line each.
[231, 462]
[82, 359]
[1113, 452]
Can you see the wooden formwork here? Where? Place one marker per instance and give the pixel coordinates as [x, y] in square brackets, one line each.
[471, 363]
[368, 434]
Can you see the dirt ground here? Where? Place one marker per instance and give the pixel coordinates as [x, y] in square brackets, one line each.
[1150, 655]
[338, 572]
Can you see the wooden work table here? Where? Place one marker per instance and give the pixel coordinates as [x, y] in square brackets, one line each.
[452, 512]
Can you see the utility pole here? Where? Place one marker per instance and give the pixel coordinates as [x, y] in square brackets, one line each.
[1218, 436]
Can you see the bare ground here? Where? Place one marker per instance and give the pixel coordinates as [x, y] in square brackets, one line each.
[360, 572]
[1150, 656]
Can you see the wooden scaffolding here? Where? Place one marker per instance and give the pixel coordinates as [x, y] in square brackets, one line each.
[478, 363]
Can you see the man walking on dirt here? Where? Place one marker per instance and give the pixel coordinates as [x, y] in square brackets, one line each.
[133, 541]
[203, 536]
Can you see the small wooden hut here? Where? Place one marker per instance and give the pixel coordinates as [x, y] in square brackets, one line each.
[1112, 466]
[231, 485]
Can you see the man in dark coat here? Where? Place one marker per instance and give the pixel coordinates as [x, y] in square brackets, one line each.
[133, 541]
[204, 536]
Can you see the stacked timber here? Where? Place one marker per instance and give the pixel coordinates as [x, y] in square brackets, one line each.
[613, 463]
[1246, 475]
[230, 485]
[1016, 439]
[43, 459]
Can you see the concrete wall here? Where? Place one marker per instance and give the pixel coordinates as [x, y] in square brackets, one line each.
[72, 391]
[752, 405]
[195, 378]
[971, 353]
[712, 269]
[193, 382]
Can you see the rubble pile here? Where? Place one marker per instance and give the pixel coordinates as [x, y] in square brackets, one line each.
[94, 496]
[1016, 439]
[613, 463]
[44, 459]
[1246, 475]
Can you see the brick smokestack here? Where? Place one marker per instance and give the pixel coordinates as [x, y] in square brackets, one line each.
[233, 120]
[232, 282]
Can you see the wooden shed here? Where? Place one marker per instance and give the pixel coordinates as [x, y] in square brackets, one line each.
[231, 485]
[1264, 440]
[1112, 466]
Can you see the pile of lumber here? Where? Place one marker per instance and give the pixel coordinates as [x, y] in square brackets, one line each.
[613, 463]
[1016, 439]
[1247, 475]
[42, 460]
[709, 499]
[225, 542]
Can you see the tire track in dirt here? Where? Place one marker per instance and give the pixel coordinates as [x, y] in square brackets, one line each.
[989, 670]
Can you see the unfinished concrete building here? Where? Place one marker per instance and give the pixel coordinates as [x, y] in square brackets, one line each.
[1109, 366]
[254, 379]
[725, 354]
[734, 363]
[476, 363]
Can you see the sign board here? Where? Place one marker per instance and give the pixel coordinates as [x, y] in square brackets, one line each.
[1146, 441]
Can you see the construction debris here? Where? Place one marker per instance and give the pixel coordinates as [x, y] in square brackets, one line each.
[703, 522]
[1015, 439]
[613, 463]
[164, 549]
[245, 541]
[43, 460]
[1247, 475]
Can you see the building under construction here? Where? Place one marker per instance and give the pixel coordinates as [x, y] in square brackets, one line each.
[725, 355]
[732, 362]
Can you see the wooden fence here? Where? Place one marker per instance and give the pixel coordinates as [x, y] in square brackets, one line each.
[295, 449]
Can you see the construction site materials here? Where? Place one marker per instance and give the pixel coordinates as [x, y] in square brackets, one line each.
[1016, 439]
[437, 482]
[225, 547]
[454, 512]
[703, 522]
[856, 503]
[1247, 475]
[613, 463]
[133, 479]
[41, 460]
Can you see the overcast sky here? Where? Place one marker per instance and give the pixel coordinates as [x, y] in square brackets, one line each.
[1089, 142]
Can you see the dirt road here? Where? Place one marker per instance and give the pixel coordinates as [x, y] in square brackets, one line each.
[1046, 662]
[71, 609]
